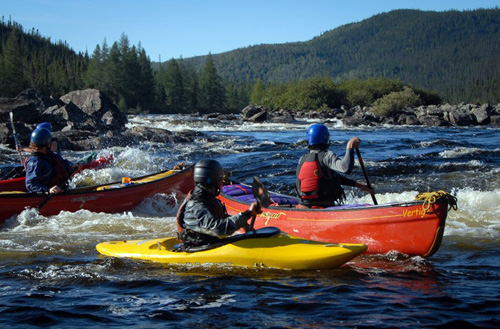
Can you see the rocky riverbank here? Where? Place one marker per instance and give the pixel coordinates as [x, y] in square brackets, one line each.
[88, 120]
[432, 115]
[81, 120]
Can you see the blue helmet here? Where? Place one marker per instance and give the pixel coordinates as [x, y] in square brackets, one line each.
[45, 125]
[41, 137]
[318, 134]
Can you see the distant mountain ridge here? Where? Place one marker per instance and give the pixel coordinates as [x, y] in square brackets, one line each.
[454, 53]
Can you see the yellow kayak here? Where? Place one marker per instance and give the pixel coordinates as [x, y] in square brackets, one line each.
[254, 249]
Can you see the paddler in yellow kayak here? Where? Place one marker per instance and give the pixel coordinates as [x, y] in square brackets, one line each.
[202, 219]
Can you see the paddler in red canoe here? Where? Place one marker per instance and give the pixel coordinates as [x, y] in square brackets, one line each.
[45, 169]
[319, 176]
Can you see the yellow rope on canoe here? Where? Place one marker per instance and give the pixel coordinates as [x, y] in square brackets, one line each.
[431, 197]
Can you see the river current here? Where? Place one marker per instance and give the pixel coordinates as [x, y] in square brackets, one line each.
[52, 276]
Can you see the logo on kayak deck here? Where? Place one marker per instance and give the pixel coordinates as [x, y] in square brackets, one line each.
[84, 199]
[414, 213]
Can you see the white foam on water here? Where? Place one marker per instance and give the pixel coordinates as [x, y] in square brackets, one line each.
[459, 151]
[477, 215]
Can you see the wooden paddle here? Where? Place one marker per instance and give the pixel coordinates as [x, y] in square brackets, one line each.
[261, 195]
[366, 175]
[18, 146]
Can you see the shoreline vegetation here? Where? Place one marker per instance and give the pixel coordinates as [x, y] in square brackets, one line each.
[387, 62]
[88, 119]
[406, 76]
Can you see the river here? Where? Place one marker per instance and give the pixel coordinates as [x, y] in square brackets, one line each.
[52, 276]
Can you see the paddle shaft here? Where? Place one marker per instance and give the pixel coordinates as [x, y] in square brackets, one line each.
[366, 175]
[44, 202]
[18, 147]
[261, 196]
[252, 222]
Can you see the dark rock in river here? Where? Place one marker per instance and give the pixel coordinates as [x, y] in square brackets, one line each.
[81, 120]
[96, 105]
[254, 113]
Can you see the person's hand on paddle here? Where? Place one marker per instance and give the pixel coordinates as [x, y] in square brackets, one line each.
[255, 208]
[55, 190]
[353, 143]
[180, 166]
[364, 187]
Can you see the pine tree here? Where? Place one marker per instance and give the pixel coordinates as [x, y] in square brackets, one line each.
[191, 86]
[93, 76]
[212, 92]
[174, 87]
[257, 92]
[146, 92]
[12, 78]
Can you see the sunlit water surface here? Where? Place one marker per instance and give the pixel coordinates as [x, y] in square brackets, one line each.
[51, 274]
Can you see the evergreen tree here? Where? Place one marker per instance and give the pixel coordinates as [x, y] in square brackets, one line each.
[174, 88]
[212, 92]
[146, 92]
[114, 71]
[191, 86]
[12, 80]
[257, 92]
[94, 74]
[160, 96]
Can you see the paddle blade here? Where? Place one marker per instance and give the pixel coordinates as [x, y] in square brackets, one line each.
[260, 192]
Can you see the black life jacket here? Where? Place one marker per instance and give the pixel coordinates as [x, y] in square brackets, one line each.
[315, 184]
[180, 215]
[191, 238]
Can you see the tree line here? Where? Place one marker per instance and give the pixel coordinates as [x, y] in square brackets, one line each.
[209, 83]
[454, 53]
[322, 93]
[122, 71]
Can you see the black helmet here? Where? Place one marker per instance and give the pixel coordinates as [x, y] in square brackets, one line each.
[208, 171]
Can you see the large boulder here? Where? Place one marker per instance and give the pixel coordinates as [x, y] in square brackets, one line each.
[254, 113]
[461, 117]
[23, 110]
[483, 114]
[95, 104]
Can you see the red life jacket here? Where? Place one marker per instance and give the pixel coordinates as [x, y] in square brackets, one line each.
[309, 176]
[317, 185]
[61, 173]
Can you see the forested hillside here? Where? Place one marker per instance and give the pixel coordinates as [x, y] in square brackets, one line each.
[453, 53]
[28, 60]
[392, 60]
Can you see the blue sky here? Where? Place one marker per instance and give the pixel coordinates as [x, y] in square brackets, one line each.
[187, 28]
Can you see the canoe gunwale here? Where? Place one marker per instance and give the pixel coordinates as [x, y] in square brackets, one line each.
[330, 209]
[94, 188]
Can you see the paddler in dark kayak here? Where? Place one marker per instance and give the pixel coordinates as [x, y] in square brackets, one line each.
[318, 175]
[45, 170]
[202, 219]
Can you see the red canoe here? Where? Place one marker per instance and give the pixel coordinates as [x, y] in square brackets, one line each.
[108, 198]
[405, 227]
[18, 184]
